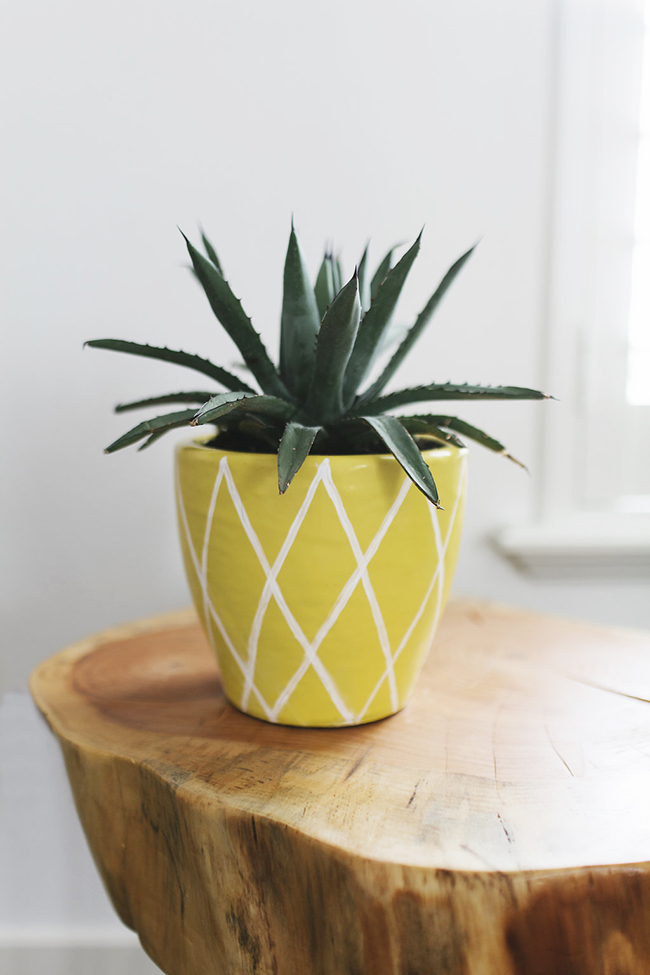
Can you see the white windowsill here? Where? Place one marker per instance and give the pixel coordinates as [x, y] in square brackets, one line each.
[588, 546]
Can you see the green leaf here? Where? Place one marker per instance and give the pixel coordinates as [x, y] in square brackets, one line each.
[333, 347]
[374, 324]
[179, 358]
[212, 254]
[224, 403]
[416, 330]
[300, 323]
[237, 324]
[295, 445]
[380, 274]
[159, 424]
[156, 435]
[406, 452]
[468, 430]
[164, 400]
[424, 426]
[364, 285]
[446, 391]
[324, 287]
[392, 337]
[338, 274]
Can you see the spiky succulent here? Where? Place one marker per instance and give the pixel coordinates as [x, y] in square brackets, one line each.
[331, 337]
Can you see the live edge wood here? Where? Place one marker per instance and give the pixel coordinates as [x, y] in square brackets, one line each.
[497, 826]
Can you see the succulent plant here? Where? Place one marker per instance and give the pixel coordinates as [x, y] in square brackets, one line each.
[315, 400]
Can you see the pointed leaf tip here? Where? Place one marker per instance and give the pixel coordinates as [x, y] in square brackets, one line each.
[376, 322]
[211, 252]
[300, 320]
[294, 447]
[406, 452]
[228, 309]
[157, 425]
[173, 355]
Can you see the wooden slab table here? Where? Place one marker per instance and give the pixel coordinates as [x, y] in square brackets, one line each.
[500, 825]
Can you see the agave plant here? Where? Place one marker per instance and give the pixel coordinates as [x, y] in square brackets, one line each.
[315, 400]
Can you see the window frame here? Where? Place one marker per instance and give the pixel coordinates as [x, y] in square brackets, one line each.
[586, 520]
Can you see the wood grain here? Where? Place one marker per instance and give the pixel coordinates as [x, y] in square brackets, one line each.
[497, 826]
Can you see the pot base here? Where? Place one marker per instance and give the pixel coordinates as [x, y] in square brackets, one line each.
[320, 727]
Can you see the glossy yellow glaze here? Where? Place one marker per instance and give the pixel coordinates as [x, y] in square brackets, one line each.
[321, 604]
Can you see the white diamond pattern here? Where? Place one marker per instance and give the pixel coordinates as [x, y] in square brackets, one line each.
[438, 577]
[272, 589]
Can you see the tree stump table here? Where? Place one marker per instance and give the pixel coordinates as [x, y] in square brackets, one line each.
[500, 825]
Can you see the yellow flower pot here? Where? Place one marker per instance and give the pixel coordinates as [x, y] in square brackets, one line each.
[320, 604]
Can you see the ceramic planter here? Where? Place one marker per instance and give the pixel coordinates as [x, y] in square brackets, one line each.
[321, 604]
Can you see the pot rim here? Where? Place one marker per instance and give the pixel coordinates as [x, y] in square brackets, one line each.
[443, 450]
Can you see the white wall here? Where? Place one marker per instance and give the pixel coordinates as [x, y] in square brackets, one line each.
[126, 119]
[54, 916]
